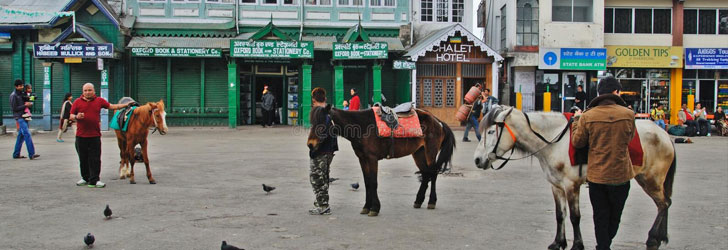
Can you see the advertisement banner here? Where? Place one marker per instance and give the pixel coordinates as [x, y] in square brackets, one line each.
[706, 58]
[271, 49]
[644, 56]
[360, 50]
[176, 52]
[573, 58]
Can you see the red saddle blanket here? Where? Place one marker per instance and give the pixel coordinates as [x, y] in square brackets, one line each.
[408, 126]
[635, 147]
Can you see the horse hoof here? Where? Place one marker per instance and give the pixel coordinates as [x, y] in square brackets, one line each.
[132, 182]
[557, 246]
[417, 205]
[373, 213]
[364, 211]
[430, 206]
[152, 182]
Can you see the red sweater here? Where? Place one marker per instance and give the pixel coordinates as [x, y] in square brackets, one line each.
[354, 103]
[90, 125]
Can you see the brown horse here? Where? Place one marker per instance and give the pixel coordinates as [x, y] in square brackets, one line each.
[360, 128]
[149, 115]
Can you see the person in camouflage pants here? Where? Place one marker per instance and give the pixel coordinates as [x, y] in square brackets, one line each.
[322, 155]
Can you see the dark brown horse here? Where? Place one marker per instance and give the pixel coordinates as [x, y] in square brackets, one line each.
[360, 128]
[149, 115]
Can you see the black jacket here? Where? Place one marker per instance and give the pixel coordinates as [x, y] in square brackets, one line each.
[329, 142]
[17, 105]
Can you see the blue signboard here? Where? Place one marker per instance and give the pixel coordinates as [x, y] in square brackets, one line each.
[706, 58]
[573, 58]
[62, 50]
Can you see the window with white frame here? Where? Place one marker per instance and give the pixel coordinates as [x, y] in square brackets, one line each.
[269, 2]
[351, 2]
[527, 23]
[155, 1]
[503, 27]
[426, 9]
[458, 8]
[248, 1]
[385, 3]
[212, 1]
[189, 1]
[318, 2]
[442, 6]
[290, 2]
[646, 21]
[705, 21]
[572, 10]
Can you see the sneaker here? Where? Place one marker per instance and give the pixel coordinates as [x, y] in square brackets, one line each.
[34, 156]
[81, 183]
[25, 115]
[28, 119]
[98, 185]
[466, 140]
[320, 211]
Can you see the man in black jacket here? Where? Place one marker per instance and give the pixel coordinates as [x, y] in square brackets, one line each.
[17, 105]
[321, 157]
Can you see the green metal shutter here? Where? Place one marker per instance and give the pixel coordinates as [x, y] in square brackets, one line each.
[186, 85]
[6, 82]
[57, 91]
[38, 86]
[151, 80]
[215, 85]
[82, 73]
[322, 76]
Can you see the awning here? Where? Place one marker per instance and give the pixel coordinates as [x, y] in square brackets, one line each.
[434, 39]
[326, 42]
[179, 42]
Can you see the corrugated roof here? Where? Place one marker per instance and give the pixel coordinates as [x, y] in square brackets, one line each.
[327, 42]
[179, 42]
[436, 37]
[19, 11]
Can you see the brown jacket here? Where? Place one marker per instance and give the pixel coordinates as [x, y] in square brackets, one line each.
[606, 127]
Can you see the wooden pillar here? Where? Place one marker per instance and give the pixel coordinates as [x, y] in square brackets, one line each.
[458, 87]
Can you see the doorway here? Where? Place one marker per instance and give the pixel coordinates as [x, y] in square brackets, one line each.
[570, 80]
[276, 87]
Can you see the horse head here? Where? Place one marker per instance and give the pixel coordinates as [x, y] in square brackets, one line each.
[159, 116]
[497, 137]
[318, 118]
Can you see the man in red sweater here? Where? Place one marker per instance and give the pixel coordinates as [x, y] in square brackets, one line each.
[86, 111]
[354, 103]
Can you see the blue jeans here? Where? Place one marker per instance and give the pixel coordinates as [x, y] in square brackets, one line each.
[660, 123]
[23, 135]
[472, 123]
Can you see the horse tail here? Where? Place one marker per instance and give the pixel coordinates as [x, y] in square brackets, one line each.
[670, 178]
[446, 147]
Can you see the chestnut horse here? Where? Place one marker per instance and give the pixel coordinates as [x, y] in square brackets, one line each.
[360, 128]
[506, 129]
[149, 115]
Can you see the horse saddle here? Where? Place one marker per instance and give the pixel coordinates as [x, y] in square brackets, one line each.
[391, 115]
[391, 123]
[122, 117]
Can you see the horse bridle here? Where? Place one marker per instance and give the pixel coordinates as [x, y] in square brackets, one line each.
[494, 156]
[156, 125]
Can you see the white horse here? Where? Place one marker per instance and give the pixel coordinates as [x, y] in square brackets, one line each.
[507, 129]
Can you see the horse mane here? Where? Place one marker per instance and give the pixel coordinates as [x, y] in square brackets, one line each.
[143, 112]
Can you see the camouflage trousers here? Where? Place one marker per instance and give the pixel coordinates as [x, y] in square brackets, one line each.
[320, 178]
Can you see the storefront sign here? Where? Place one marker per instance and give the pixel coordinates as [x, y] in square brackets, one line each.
[61, 50]
[271, 49]
[453, 52]
[644, 57]
[362, 50]
[176, 52]
[398, 64]
[706, 58]
[573, 58]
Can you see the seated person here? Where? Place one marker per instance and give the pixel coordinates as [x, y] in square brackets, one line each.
[720, 121]
[700, 115]
[657, 115]
[685, 117]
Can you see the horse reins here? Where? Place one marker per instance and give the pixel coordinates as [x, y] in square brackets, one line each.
[156, 125]
[501, 125]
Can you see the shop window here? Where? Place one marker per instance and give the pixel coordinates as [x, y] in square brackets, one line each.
[426, 10]
[622, 20]
[706, 21]
[690, 74]
[318, 2]
[690, 21]
[458, 8]
[572, 10]
[706, 74]
[438, 93]
[427, 92]
[723, 22]
[450, 92]
[608, 20]
[527, 23]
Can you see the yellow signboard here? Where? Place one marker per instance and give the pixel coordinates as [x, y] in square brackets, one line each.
[72, 60]
[644, 56]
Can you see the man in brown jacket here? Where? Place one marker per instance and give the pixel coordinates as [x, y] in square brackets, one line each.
[606, 128]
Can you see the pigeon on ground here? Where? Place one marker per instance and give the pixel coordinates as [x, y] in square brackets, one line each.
[107, 212]
[89, 239]
[355, 185]
[225, 246]
[267, 189]
[333, 179]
